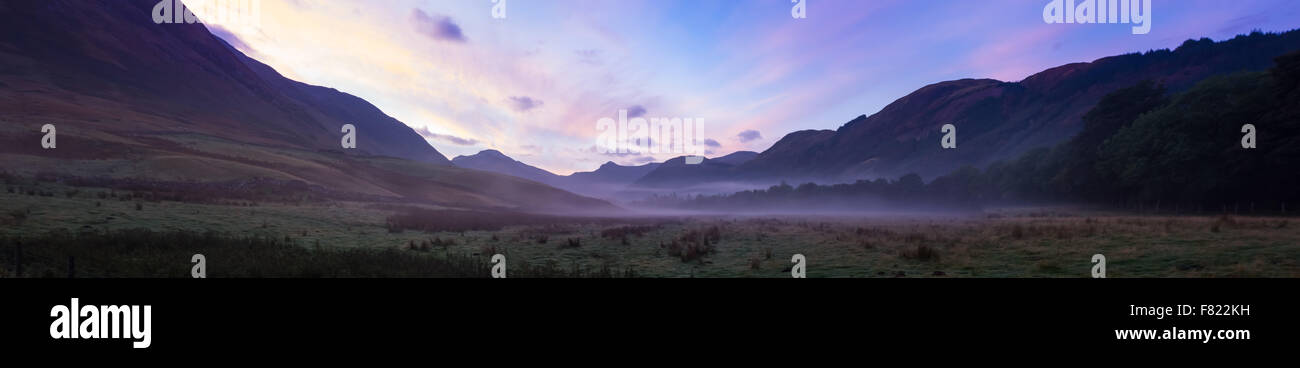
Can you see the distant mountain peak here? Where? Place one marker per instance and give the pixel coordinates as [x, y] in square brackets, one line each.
[494, 161]
[487, 153]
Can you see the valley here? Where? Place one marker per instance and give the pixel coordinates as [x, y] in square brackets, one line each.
[171, 141]
[346, 238]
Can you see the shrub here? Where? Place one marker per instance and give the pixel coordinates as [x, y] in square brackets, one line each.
[571, 243]
[921, 253]
[866, 245]
[914, 238]
[438, 242]
[688, 250]
[624, 231]
[143, 253]
[1222, 221]
[19, 215]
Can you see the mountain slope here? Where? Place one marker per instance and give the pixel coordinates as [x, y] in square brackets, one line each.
[675, 173]
[995, 120]
[604, 182]
[998, 120]
[108, 58]
[737, 158]
[613, 174]
[497, 162]
[137, 102]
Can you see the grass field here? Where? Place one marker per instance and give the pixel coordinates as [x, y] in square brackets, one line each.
[1023, 243]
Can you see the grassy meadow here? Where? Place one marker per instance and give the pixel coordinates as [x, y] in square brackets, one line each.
[359, 239]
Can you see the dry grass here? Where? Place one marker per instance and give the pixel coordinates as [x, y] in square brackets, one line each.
[1035, 244]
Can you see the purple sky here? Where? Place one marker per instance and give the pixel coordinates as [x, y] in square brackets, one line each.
[534, 84]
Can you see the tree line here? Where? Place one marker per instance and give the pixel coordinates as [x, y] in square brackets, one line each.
[1140, 147]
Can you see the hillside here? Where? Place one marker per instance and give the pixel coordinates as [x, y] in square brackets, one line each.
[996, 120]
[137, 102]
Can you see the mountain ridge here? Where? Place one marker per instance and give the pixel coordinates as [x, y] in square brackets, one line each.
[174, 105]
[996, 120]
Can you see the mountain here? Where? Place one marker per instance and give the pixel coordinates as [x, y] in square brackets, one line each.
[497, 162]
[995, 120]
[608, 181]
[675, 173]
[139, 102]
[737, 158]
[613, 174]
[110, 59]
[1141, 148]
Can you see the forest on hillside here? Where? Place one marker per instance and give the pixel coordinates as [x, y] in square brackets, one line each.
[1141, 147]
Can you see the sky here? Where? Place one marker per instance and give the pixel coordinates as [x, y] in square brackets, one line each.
[535, 83]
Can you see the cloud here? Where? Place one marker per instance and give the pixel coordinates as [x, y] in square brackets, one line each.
[644, 160]
[524, 103]
[446, 138]
[712, 143]
[588, 56]
[597, 150]
[635, 111]
[749, 136]
[437, 27]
